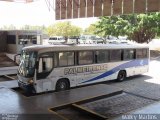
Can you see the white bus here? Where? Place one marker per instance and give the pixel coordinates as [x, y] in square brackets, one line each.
[59, 67]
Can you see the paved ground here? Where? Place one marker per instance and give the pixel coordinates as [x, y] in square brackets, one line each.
[6, 78]
[5, 61]
[119, 104]
[13, 102]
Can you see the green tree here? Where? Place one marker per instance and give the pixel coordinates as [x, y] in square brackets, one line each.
[91, 30]
[9, 27]
[106, 26]
[63, 29]
[143, 27]
[140, 28]
[30, 27]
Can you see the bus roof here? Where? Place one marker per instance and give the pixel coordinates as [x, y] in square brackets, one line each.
[48, 48]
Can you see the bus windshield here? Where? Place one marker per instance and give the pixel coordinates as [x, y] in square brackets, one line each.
[27, 63]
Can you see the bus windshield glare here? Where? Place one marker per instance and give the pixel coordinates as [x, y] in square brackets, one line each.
[27, 63]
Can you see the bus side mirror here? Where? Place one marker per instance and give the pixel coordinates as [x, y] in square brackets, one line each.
[37, 65]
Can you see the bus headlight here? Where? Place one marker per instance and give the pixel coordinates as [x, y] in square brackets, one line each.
[30, 81]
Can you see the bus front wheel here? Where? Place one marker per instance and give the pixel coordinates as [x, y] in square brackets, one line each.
[121, 75]
[62, 84]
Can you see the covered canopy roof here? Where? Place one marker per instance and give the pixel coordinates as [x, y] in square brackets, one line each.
[25, 1]
[68, 9]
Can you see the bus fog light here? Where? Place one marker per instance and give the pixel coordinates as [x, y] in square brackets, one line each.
[30, 81]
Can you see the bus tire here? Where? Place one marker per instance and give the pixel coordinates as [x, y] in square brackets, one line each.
[121, 76]
[62, 84]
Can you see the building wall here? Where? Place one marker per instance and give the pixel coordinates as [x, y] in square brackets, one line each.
[3, 42]
[16, 47]
[10, 41]
[11, 48]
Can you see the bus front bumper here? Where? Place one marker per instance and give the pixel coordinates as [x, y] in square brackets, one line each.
[29, 88]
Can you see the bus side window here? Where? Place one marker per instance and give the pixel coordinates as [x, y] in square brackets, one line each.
[128, 54]
[141, 53]
[40, 69]
[85, 57]
[115, 55]
[45, 64]
[145, 53]
[102, 56]
[66, 59]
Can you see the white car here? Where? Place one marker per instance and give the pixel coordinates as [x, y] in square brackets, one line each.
[56, 40]
[73, 40]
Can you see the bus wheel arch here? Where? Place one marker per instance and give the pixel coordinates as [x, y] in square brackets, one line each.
[62, 84]
[122, 74]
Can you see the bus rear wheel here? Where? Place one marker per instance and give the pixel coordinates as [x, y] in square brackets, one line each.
[62, 85]
[121, 75]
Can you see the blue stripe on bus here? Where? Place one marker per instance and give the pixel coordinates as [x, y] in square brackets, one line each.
[133, 63]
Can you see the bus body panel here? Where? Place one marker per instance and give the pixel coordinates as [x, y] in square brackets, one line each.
[77, 79]
[89, 73]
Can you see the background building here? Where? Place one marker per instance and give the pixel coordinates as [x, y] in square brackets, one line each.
[12, 41]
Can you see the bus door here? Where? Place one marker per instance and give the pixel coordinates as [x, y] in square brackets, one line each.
[45, 67]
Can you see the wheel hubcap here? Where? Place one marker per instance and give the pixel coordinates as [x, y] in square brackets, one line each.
[62, 86]
[121, 76]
